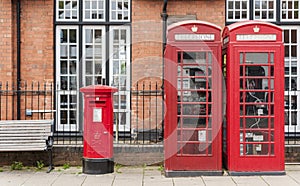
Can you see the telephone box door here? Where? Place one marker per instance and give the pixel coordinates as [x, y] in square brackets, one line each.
[193, 119]
[259, 134]
[255, 93]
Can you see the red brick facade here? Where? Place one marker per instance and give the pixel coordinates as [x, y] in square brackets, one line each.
[147, 30]
[37, 33]
[6, 40]
[37, 38]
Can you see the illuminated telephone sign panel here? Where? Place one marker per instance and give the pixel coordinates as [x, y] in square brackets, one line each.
[253, 57]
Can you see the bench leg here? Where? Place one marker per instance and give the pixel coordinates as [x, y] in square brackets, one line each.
[51, 167]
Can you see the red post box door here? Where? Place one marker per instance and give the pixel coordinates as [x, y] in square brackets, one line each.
[193, 96]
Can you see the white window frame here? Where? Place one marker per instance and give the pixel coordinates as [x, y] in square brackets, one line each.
[125, 92]
[267, 10]
[288, 61]
[103, 44]
[66, 127]
[238, 10]
[90, 19]
[111, 11]
[71, 11]
[286, 9]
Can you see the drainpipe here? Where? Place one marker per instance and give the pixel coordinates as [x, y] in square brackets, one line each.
[18, 59]
[164, 17]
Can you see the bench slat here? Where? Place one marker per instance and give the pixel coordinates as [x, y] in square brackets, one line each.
[12, 127]
[20, 138]
[24, 135]
[23, 148]
[10, 141]
[32, 122]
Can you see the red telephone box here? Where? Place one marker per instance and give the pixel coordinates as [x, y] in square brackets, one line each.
[98, 129]
[253, 57]
[193, 90]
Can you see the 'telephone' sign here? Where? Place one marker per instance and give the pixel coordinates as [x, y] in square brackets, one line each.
[256, 37]
[194, 37]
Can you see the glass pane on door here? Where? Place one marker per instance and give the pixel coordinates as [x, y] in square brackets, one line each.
[194, 82]
[120, 76]
[67, 81]
[93, 55]
[256, 103]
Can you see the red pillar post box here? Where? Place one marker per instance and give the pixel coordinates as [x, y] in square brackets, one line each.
[253, 57]
[98, 129]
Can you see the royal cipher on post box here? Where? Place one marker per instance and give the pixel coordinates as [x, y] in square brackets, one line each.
[253, 59]
[98, 129]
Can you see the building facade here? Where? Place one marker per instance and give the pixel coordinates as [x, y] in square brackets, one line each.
[74, 43]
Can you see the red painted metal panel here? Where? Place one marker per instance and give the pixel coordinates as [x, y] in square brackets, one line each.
[255, 94]
[193, 94]
[98, 121]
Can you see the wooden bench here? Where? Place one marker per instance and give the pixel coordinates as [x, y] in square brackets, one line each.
[27, 135]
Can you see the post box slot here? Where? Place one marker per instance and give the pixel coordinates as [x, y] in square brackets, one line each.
[97, 102]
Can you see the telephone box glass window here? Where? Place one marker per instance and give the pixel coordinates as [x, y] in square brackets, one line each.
[119, 10]
[237, 10]
[290, 10]
[264, 10]
[67, 10]
[94, 10]
[256, 103]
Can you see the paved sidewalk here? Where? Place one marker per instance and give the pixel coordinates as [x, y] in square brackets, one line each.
[138, 176]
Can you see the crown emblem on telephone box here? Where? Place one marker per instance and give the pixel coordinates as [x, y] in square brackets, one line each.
[194, 29]
[256, 29]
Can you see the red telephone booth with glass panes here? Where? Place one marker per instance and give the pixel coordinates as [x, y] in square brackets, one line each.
[193, 88]
[253, 59]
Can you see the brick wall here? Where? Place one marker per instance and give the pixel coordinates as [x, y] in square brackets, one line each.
[37, 40]
[6, 36]
[147, 35]
[147, 30]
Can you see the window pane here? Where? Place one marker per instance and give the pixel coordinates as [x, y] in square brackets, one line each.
[67, 10]
[119, 10]
[264, 9]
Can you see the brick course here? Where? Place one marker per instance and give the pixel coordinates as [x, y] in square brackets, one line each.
[6, 37]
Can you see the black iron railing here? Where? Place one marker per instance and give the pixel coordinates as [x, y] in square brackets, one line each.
[39, 101]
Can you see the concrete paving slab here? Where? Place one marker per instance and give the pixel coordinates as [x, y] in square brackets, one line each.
[218, 180]
[130, 170]
[99, 180]
[295, 175]
[280, 180]
[154, 177]
[292, 167]
[188, 181]
[129, 181]
[14, 177]
[65, 179]
[249, 180]
[41, 178]
[129, 177]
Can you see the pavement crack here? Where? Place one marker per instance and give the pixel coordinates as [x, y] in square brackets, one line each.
[264, 180]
